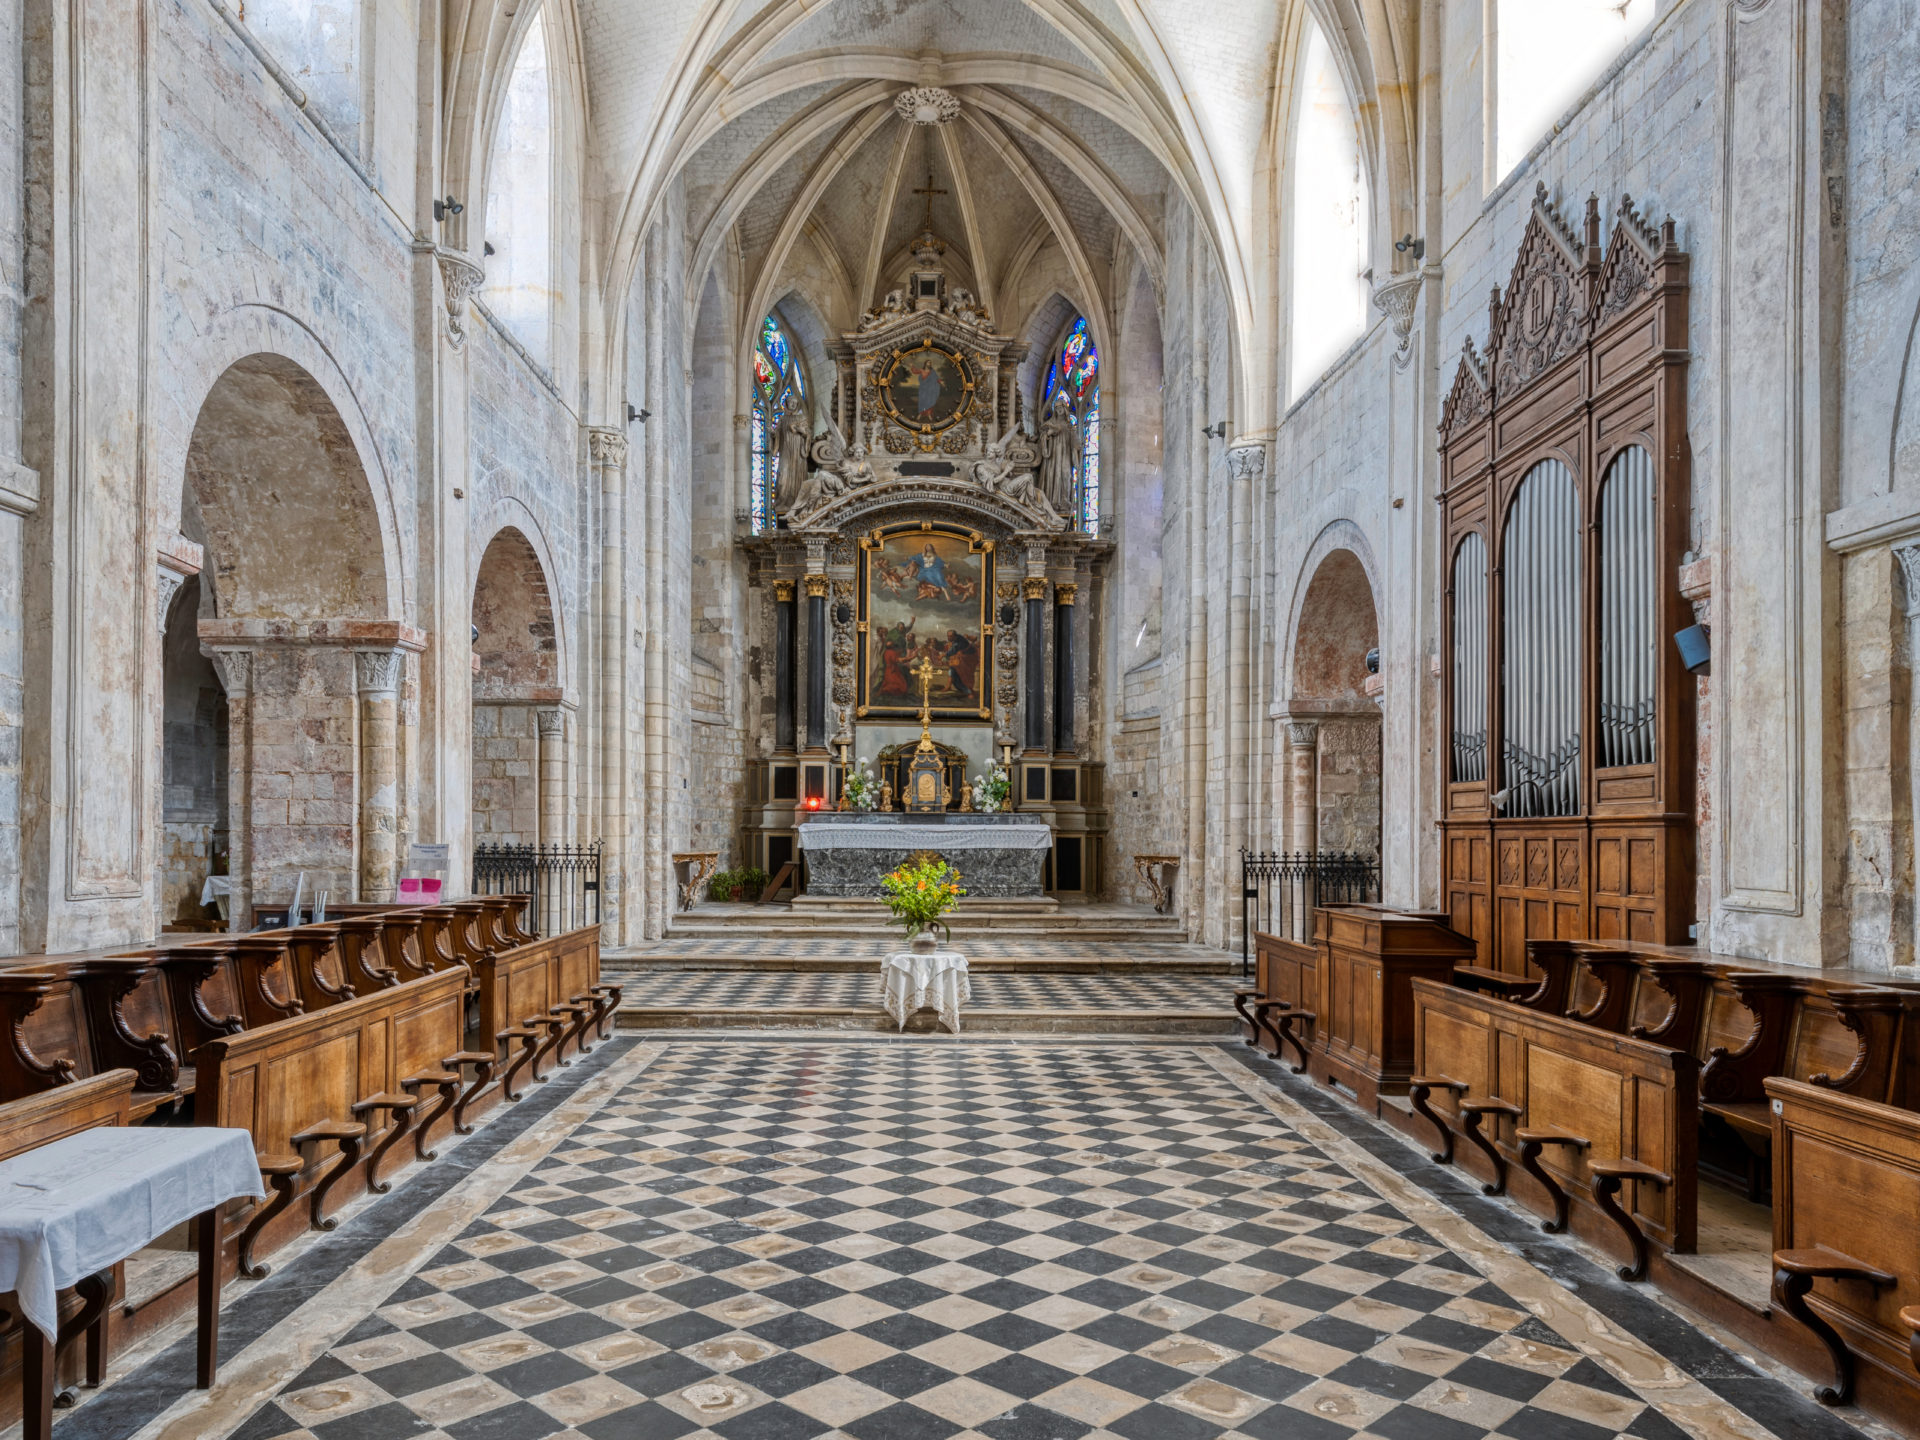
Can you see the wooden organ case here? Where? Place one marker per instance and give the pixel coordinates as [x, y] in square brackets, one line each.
[1568, 806]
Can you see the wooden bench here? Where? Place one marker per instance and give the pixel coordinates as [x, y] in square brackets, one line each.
[317, 1090]
[63, 1020]
[1611, 1112]
[1846, 1185]
[1281, 1003]
[541, 998]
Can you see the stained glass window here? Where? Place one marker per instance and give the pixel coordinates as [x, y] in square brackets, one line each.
[1076, 370]
[776, 380]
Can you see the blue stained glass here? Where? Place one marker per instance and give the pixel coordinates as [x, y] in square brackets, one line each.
[1076, 371]
[777, 378]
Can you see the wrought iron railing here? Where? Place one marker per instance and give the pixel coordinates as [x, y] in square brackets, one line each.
[1280, 889]
[564, 881]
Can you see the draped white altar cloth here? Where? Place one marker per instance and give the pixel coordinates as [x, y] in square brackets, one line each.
[936, 979]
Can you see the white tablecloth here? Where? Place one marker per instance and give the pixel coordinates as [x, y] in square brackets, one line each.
[838, 834]
[72, 1208]
[915, 982]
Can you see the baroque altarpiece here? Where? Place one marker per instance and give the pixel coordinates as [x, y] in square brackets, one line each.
[924, 524]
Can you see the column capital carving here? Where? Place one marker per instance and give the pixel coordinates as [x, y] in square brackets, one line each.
[606, 446]
[1303, 734]
[817, 586]
[235, 669]
[1065, 592]
[167, 586]
[1396, 298]
[460, 277]
[177, 559]
[1034, 587]
[783, 591]
[1909, 558]
[1247, 462]
[552, 722]
[378, 671]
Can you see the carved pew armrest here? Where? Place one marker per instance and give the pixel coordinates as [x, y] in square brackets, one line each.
[1910, 1322]
[1418, 1090]
[482, 1063]
[350, 1136]
[1472, 1112]
[529, 1039]
[1794, 1272]
[1531, 1143]
[1608, 1176]
[573, 1015]
[400, 1107]
[607, 1000]
[1240, 998]
[1290, 1016]
[282, 1174]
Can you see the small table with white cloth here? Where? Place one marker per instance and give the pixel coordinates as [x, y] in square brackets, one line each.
[80, 1205]
[926, 979]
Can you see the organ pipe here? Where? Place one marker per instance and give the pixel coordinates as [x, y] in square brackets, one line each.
[1470, 660]
[1540, 746]
[1628, 644]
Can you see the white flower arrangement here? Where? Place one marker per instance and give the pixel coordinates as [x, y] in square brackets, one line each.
[990, 791]
[861, 787]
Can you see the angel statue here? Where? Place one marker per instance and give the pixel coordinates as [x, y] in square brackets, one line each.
[832, 452]
[1059, 455]
[997, 475]
[796, 438]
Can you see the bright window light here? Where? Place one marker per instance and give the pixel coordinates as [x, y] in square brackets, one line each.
[1547, 52]
[1329, 217]
[519, 289]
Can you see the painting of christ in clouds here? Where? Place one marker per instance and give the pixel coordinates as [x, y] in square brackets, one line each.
[925, 597]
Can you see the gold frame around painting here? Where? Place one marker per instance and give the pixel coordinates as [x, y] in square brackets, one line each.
[952, 544]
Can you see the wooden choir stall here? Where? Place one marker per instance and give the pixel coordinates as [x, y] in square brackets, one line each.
[348, 1050]
[1745, 1135]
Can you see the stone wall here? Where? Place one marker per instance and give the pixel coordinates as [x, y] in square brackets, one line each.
[506, 775]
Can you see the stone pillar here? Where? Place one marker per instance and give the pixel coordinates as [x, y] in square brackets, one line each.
[235, 669]
[607, 450]
[819, 662]
[377, 677]
[1905, 947]
[1063, 736]
[784, 640]
[1304, 740]
[552, 725]
[1036, 699]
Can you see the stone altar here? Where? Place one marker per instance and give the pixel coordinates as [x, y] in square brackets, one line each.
[998, 856]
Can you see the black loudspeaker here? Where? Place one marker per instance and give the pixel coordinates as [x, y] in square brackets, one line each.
[1696, 649]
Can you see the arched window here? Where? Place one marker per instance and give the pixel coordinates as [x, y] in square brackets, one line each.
[777, 380]
[1544, 57]
[519, 289]
[1329, 216]
[1076, 370]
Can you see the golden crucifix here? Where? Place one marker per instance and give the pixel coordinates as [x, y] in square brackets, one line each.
[924, 672]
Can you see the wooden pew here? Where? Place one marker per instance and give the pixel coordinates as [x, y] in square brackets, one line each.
[318, 1089]
[1611, 1111]
[64, 1020]
[543, 997]
[1846, 1185]
[1370, 956]
[1285, 991]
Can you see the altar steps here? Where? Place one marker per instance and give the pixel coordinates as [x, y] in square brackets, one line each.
[821, 918]
[844, 956]
[1055, 1003]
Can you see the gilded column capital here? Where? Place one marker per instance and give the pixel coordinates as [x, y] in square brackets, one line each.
[783, 591]
[1034, 587]
[817, 586]
[1065, 591]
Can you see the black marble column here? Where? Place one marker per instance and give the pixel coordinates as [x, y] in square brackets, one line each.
[1036, 664]
[1063, 596]
[819, 662]
[784, 639]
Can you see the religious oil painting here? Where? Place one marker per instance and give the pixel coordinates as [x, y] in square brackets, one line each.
[925, 594]
[925, 389]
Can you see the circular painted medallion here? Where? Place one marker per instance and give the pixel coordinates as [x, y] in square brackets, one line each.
[926, 389]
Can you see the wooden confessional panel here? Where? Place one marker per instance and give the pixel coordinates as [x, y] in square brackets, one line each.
[1569, 819]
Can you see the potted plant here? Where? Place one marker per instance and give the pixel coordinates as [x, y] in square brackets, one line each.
[990, 791]
[919, 893]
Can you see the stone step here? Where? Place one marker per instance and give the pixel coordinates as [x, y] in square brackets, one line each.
[1114, 963]
[876, 935]
[974, 1020]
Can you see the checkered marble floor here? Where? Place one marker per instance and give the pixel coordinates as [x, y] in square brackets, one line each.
[916, 1242]
[779, 990]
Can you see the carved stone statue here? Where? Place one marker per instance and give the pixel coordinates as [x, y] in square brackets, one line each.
[998, 474]
[796, 438]
[1059, 455]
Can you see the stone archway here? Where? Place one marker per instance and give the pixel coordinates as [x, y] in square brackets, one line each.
[293, 607]
[520, 739]
[1332, 722]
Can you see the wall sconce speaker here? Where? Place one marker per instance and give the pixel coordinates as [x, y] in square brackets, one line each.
[1696, 649]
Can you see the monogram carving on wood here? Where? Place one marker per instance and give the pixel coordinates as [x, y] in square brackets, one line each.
[1543, 318]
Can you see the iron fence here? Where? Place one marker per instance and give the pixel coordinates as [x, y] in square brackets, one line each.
[564, 881]
[1279, 891]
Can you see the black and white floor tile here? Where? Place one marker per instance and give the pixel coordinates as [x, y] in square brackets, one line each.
[1019, 1241]
[786, 990]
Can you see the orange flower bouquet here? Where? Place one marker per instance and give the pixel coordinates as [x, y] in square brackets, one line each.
[920, 892]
